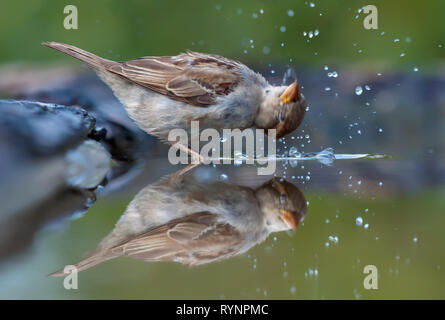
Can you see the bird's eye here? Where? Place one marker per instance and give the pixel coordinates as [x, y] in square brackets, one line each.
[267, 90]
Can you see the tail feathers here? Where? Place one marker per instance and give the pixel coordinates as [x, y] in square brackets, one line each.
[90, 59]
[86, 263]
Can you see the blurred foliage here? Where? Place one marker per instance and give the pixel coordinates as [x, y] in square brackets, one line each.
[129, 29]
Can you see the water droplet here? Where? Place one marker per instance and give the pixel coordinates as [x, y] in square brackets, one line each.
[358, 90]
[380, 130]
[290, 13]
[396, 40]
[293, 290]
[283, 29]
[266, 50]
[261, 11]
[380, 183]
[223, 177]
[366, 226]
[327, 89]
[316, 32]
[326, 68]
[326, 156]
[415, 69]
[359, 221]
[402, 54]
[293, 152]
[312, 5]
[254, 15]
[415, 240]
[333, 239]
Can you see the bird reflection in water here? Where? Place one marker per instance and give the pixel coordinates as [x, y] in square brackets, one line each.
[195, 223]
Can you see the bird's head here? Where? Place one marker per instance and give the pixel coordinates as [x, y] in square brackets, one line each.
[282, 203]
[282, 108]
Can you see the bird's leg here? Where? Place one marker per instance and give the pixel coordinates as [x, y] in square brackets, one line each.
[197, 159]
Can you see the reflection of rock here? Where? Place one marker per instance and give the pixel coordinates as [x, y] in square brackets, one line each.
[34, 141]
[196, 223]
[17, 231]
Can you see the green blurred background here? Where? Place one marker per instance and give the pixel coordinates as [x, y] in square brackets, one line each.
[251, 31]
[130, 29]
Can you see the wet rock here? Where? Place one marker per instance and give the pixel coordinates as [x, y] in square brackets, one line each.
[128, 145]
[123, 138]
[43, 129]
[41, 146]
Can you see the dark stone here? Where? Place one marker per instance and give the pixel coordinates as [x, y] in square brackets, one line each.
[43, 129]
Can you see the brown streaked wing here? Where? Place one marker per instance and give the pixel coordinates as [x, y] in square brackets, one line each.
[192, 77]
[199, 238]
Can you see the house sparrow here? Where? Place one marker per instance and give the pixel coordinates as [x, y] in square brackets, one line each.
[165, 93]
[195, 223]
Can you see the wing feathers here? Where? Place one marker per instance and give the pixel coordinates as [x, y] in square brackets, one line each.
[195, 78]
[183, 240]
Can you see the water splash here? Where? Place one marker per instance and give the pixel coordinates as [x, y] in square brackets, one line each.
[326, 157]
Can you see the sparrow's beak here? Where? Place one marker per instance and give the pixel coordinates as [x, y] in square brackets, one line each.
[291, 93]
[289, 218]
